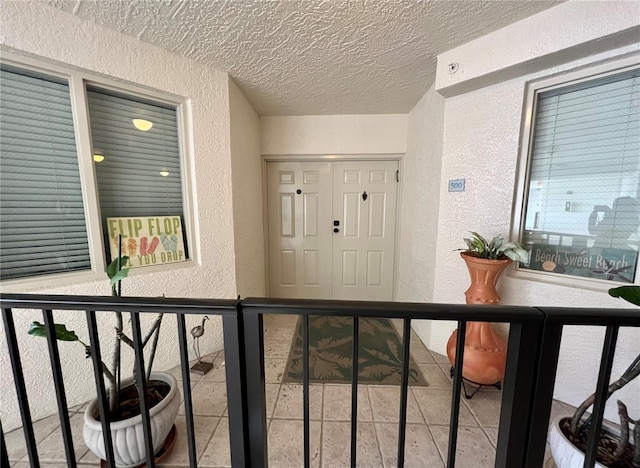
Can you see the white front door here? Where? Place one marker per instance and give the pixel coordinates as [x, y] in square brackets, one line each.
[332, 229]
[364, 202]
[299, 201]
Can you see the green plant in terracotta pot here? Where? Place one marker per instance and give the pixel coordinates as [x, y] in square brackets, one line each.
[495, 249]
[486, 260]
[569, 435]
[485, 352]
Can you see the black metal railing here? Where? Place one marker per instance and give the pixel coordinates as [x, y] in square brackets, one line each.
[227, 309]
[533, 350]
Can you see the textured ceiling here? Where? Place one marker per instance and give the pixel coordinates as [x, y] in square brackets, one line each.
[312, 56]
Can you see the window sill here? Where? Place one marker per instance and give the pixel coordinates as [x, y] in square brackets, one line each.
[591, 284]
[76, 278]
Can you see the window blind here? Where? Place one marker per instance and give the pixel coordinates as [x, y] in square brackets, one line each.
[586, 155]
[140, 172]
[42, 221]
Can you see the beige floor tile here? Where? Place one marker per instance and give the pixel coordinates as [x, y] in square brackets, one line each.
[218, 452]
[289, 404]
[277, 349]
[286, 443]
[440, 358]
[279, 333]
[570, 408]
[16, 444]
[177, 373]
[434, 376]
[337, 403]
[218, 373]
[446, 368]
[492, 434]
[51, 448]
[209, 399]
[436, 406]
[280, 320]
[203, 427]
[485, 405]
[418, 351]
[79, 408]
[336, 445]
[90, 458]
[385, 403]
[271, 396]
[419, 448]
[274, 370]
[473, 448]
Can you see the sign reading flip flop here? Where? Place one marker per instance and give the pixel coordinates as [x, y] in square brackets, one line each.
[147, 241]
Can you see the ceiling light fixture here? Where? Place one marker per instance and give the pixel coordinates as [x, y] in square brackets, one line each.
[164, 173]
[98, 157]
[142, 124]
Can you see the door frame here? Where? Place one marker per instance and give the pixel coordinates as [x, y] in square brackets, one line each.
[267, 158]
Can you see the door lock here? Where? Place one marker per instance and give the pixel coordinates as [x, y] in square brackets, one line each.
[336, 230]
[336, 222]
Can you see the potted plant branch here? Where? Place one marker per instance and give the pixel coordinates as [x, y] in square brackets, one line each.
[162, 396]
[569, 434]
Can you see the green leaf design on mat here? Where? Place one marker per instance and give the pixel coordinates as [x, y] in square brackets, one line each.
[330, 353]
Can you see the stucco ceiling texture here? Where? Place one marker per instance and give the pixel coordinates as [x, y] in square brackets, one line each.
[312, 57]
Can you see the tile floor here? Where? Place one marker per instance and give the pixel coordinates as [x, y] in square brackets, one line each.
[427, 418]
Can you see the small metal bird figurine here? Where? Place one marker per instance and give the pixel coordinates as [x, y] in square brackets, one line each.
[197, 332]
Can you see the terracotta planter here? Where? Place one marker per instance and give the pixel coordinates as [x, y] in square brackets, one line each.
[484, 276]
[128, 435]
[485, 352]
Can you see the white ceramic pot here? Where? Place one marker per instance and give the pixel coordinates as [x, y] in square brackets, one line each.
[128, 435]
[565, 454]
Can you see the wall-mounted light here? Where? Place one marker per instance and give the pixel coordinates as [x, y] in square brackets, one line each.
[164, 173]
[142, 124]
[98, 157]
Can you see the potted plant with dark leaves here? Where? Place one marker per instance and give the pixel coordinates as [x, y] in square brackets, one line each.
[616, 449]
[162, 396]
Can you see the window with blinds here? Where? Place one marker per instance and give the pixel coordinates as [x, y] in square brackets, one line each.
[582, 210]
[136, 162]
[136, 156]
[42, 220]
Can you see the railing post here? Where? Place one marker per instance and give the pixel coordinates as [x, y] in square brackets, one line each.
[517, 391]
[235, 366]
[542, 397]
[255, 381]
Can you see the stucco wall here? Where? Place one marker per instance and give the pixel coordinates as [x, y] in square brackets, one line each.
[567, 32]
[334, 134]
[34, 28]
[421, 198]
[246, 166]
[480, 143]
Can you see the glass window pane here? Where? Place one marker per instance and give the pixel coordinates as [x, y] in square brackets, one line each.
[138, 168]
[583, 208]
[42, 221]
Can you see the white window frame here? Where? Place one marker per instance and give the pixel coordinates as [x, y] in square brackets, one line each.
[532, 89]
[78, 81]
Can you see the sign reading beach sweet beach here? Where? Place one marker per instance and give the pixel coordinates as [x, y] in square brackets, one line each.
[147, 241]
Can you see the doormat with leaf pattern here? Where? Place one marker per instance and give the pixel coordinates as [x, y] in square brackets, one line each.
[330, 353]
